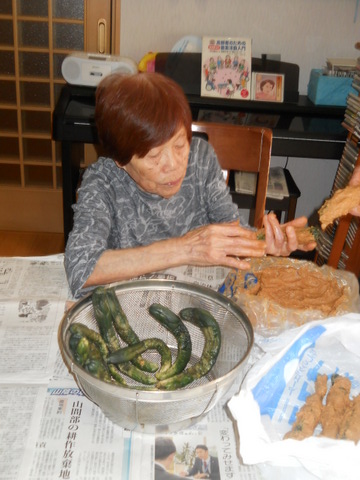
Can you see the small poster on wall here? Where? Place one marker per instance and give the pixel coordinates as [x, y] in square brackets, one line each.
[267, 87]
[226, 67]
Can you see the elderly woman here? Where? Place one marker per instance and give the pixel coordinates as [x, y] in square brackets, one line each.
[158, 199]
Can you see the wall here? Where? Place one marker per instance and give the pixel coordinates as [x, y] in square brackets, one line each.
[304, 32]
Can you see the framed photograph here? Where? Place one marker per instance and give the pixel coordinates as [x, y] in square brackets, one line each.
[267, 87]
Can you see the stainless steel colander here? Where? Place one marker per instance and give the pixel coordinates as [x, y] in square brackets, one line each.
[164, 411]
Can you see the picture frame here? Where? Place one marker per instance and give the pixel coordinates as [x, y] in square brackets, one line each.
[267, 87]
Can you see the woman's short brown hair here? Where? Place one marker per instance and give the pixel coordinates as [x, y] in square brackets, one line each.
[135, 113]
[264, 82]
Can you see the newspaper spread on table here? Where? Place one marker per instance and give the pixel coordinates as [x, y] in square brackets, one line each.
[48, 428]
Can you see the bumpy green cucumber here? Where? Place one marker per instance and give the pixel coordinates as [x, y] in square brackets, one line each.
[125, 332]
[74, 341]
[211, 331]
[135, 373]
[174, 324]
[128, 353]
[95, 364]
[103, 318]
[88, 355]
[116, 375]
[82, 330]
[97, 368]
[80, 348]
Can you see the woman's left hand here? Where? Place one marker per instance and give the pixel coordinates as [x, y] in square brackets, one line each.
[279, 244]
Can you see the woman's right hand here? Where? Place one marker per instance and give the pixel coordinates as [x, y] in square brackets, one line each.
[223, 244]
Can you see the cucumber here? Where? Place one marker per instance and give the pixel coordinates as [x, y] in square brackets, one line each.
[135, 373]
[125, 332]
[80, 348]
[119, 379]
[95, 364]
[128, 353]
[97, 368]
[82, 330]
[103, 318]
[174, 324]
[88, 355]
[74, 341]
[211, 331]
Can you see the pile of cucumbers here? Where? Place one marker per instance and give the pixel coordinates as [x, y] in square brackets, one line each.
[103, 355]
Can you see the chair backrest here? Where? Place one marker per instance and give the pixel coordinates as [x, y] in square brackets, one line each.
[345, 248]
[243, 148]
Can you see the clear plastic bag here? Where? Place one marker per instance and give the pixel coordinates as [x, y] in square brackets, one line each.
[270, 317]
[277, 386]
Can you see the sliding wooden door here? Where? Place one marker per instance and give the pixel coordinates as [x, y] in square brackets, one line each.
[35, 37]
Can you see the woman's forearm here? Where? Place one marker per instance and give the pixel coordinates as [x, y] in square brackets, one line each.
[123, 264]
[218, 244]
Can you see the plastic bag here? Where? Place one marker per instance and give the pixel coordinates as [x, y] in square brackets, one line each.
[271, 318]
[277, 386]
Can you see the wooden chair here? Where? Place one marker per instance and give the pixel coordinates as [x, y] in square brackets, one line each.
[345, 248]
[242, 148]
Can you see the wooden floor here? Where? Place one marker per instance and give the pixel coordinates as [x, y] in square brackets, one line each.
[27, 244]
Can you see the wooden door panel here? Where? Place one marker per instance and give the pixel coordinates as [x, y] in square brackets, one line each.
[98, 26]
[35, 38]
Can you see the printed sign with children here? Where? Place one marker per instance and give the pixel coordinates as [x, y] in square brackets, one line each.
[226, 67]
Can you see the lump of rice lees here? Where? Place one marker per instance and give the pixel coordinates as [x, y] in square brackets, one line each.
[279, 293]
[299, 288]
[339, 204]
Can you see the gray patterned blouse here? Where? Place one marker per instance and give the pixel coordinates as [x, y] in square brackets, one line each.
[112, 212]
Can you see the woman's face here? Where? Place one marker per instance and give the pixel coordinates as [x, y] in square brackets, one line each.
[268, 88]
[163, 168]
